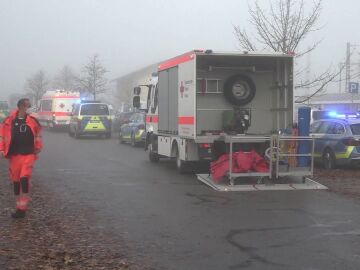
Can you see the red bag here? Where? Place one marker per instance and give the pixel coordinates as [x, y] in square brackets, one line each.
[259, 163]
[220, 167]
[243, 162]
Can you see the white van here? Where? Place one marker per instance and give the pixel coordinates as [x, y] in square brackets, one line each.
[56, 106]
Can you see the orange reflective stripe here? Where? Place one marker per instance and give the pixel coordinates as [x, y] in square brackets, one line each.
[22, 203]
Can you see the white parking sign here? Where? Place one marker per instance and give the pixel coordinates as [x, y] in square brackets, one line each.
[353, 87]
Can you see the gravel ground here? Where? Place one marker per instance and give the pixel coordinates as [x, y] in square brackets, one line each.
[344, 181]
[53, 236]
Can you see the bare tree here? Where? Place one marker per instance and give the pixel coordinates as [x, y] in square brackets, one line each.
[93, 80]
[65, 79]
[37, 85]
[283, 28]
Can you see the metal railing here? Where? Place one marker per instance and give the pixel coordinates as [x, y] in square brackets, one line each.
[283, 156]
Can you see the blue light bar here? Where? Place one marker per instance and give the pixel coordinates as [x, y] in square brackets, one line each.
[333, 114]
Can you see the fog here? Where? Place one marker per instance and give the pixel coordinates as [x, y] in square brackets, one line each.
[127, 35]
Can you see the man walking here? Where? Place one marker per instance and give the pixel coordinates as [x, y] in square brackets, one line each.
[20, 142]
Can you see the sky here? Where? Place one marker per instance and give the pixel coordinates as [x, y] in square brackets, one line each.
[128, 35]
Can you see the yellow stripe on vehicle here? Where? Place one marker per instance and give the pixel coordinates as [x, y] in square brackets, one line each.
[138, 134]
[346, 154]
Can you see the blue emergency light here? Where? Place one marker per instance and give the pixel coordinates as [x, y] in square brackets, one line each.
[334, 114]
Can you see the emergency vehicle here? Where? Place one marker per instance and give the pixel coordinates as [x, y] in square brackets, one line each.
[55, 108]
[90, 118]
[201, 95]
[204, 104]
[337, 139]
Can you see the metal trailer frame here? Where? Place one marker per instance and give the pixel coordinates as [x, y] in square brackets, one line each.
[274, 173]
[246, 139]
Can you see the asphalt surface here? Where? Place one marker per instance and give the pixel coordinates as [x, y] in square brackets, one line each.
[172, 221]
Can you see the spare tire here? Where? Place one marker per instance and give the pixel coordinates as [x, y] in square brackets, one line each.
[239, 90]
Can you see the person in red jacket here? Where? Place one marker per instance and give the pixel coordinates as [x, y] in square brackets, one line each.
[20, 143]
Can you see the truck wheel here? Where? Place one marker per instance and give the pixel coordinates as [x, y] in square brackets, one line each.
[181, 165]
[153, 157]
[239, 90]
[329, 160]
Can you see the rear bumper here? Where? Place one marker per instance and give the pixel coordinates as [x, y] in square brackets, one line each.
[61, 123]
[94, 132]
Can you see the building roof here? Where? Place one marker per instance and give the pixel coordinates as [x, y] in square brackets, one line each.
[335, 98]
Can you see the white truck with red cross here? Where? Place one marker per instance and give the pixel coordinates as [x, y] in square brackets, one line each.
[202, 102]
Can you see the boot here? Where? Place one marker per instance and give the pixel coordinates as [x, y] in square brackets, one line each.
[18, 214]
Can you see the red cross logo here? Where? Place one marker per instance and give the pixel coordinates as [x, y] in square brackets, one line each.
[62, 105]
[182, 89]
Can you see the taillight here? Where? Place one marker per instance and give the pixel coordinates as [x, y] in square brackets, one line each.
[351, 142]
[204, 145]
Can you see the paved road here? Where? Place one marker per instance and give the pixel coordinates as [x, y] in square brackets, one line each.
[181, 224]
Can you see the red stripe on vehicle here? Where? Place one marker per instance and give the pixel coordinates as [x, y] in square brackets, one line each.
[177, 60]
[186, 120]
[152, 119]
[67, 97]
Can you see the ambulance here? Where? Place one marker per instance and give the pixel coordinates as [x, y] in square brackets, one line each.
[55, 108]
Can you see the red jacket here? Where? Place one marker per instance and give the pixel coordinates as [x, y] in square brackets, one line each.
[6, 133]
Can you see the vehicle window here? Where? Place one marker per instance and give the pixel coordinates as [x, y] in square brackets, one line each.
[331, 128]
[150, 97]
[46, 105]
[94, 109]
[324, 128]
[338, 129]
[314, 127]
[137, 118]
[355, 129]
[155, 100]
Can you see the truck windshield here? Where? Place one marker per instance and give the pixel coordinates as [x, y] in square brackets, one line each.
[94, 109]
[355, 129]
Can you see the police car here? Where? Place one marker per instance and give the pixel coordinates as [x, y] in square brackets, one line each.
[337, 140]
[134, 130]
[90, 118]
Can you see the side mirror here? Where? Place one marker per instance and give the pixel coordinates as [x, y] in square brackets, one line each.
[137, 91]
[136, 102]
